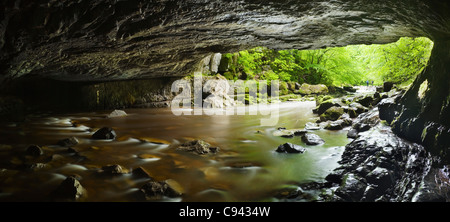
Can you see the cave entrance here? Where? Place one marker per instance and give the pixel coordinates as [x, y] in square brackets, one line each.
[352, 65]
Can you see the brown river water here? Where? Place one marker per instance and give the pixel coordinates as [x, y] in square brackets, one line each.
[246, 168]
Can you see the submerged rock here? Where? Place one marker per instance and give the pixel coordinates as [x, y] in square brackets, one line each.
[289, 133]
[105, 133]
[117, 113]
[313, 126]
[290, 148]
[71, 141]
[335, 125]
[158, 189]
[312, 139]
[141, 172]
[114, 169]
[198, 146]
[34, 150]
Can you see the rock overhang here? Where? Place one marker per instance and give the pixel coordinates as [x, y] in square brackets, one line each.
[131, 39]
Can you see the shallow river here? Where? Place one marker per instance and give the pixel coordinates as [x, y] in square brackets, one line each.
[246, 168]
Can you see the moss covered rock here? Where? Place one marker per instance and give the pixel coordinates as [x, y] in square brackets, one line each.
[306, 89]
[333, 113]
[325, 105]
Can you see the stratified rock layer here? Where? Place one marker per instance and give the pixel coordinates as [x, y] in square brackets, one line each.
[115, 40]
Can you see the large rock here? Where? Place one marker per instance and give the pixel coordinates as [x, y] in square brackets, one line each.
[105, 133]
[332, 114]
[34, 150]
[113, 169]
[388, 109]
[366, 100]
[312, 139]
[198, 146]
[71, 141]
[379, 166]
[216, 92]
[117, 113]
[158, 189]
[387, 86]
[290, 148]
[324, 105]
[69, 190]
[307, 89]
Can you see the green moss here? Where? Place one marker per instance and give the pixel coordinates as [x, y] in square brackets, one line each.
[333, 113]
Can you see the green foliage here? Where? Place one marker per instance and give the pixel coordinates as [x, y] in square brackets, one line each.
[398, 62]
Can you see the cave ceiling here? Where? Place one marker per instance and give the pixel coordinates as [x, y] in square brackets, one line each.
[113, 40]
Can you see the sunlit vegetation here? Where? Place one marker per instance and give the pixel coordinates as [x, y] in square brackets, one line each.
[397, 62]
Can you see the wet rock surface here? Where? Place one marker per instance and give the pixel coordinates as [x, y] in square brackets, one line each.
[198, 147]
[312, 139]
[71, 141]
[154, 190]
[105, 133]
[290, 148]
[378, 166]
[34, 150]
[69, 190]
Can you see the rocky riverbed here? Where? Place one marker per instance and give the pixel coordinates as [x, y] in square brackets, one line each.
[341, 152]
[377, 166]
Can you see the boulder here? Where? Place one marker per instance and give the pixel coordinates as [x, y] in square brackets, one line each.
[306, 89]
[158, 189]
[289, 133]
[114, 169]
[325, 105]
[352, 188]
[117, 113]
[34, 150]
[351, 111]
[352, 133]
[312, 139]
[359, 108]
[366, 101]
[215, 92]
[388, 109]
[198, 146]
[349, 89]
[366, 121]
[105, 133]
[335, 125]
[313, 126]
[71, 141]
[141, 172]
[333, 113]
[69, 190]
[387, 86]
[290, 148]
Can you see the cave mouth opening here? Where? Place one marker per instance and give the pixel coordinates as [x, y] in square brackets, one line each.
[398, 62]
